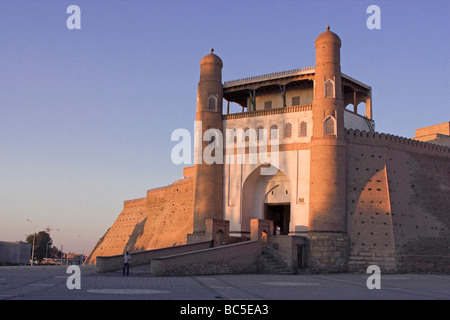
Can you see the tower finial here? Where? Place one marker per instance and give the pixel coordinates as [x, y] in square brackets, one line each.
[212, 50]
[328, 28]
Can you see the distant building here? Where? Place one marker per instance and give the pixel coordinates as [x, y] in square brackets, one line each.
[15, 253]
[437, 134]
[73, 258]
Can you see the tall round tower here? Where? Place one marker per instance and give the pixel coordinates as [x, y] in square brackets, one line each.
[327, 204]
[328, 100]
[208, 185]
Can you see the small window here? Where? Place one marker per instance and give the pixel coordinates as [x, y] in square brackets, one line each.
[296, 101]
[234, 134]
[274, 132]
[267, 105]
[246, 134]
[260, 133]
[329, 88]
[212, 103]
[287, 130]
[303, 129]
[329, 125]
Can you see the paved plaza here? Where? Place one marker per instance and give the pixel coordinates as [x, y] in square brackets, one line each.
[50, 283]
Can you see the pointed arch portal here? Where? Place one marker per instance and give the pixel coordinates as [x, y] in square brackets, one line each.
[266, 197]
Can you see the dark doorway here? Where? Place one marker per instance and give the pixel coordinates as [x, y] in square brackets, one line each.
[280, 215]
[300, 256]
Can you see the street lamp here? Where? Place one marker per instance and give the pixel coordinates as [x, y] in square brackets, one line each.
[46, 249]
[48, 242]
[34, 239]
[62, 245]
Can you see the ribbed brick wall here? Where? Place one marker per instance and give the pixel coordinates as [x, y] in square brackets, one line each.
[398, 209]
[162, 219]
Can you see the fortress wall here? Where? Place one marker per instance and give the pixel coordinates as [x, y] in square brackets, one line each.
[115, 239]
[369, 221]
[162, 219]
[169, 217]
[398, 209]
[420, 202]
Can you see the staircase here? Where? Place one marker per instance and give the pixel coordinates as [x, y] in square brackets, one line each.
[271, 263]
[370, 124]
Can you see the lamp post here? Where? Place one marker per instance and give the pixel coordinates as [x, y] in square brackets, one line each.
[48, 242]
[62, 245]
[34, 239]
[46, 249]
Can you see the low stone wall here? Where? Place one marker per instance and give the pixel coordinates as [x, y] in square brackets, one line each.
[363, 259]
[234, 258]
[327, 251]
[420, 263]
[286, 247]
[113, 263]
[426, 254]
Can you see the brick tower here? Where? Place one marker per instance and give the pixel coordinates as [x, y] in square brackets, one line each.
[327, 208]
[208, 185]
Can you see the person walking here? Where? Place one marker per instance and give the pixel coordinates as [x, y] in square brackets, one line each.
[277, 230]
[126, 263]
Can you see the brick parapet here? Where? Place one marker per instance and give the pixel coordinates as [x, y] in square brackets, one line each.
[163, 189]
[134, 202]
[393, 141]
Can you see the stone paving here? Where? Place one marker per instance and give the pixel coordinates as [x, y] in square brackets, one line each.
[49, 283]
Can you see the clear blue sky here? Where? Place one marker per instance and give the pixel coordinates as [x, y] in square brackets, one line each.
[86, 115]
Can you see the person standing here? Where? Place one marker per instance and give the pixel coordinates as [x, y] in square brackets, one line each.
[126, 263]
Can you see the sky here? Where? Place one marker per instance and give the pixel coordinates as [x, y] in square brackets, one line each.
[86, 115]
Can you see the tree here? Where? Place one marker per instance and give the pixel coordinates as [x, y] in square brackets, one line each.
[42, 241]
[53, 252]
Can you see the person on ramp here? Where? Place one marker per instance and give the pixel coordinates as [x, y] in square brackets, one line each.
[126, 263]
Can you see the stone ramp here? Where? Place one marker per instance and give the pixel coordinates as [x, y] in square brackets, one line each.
[142, 258]
[234, 258]
[263, 253]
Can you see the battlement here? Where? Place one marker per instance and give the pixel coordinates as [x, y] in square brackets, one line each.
[134, 202]
[155, 191]
[393, 141]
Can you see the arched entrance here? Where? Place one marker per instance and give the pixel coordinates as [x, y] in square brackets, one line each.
[280, 214]
[266, 197]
